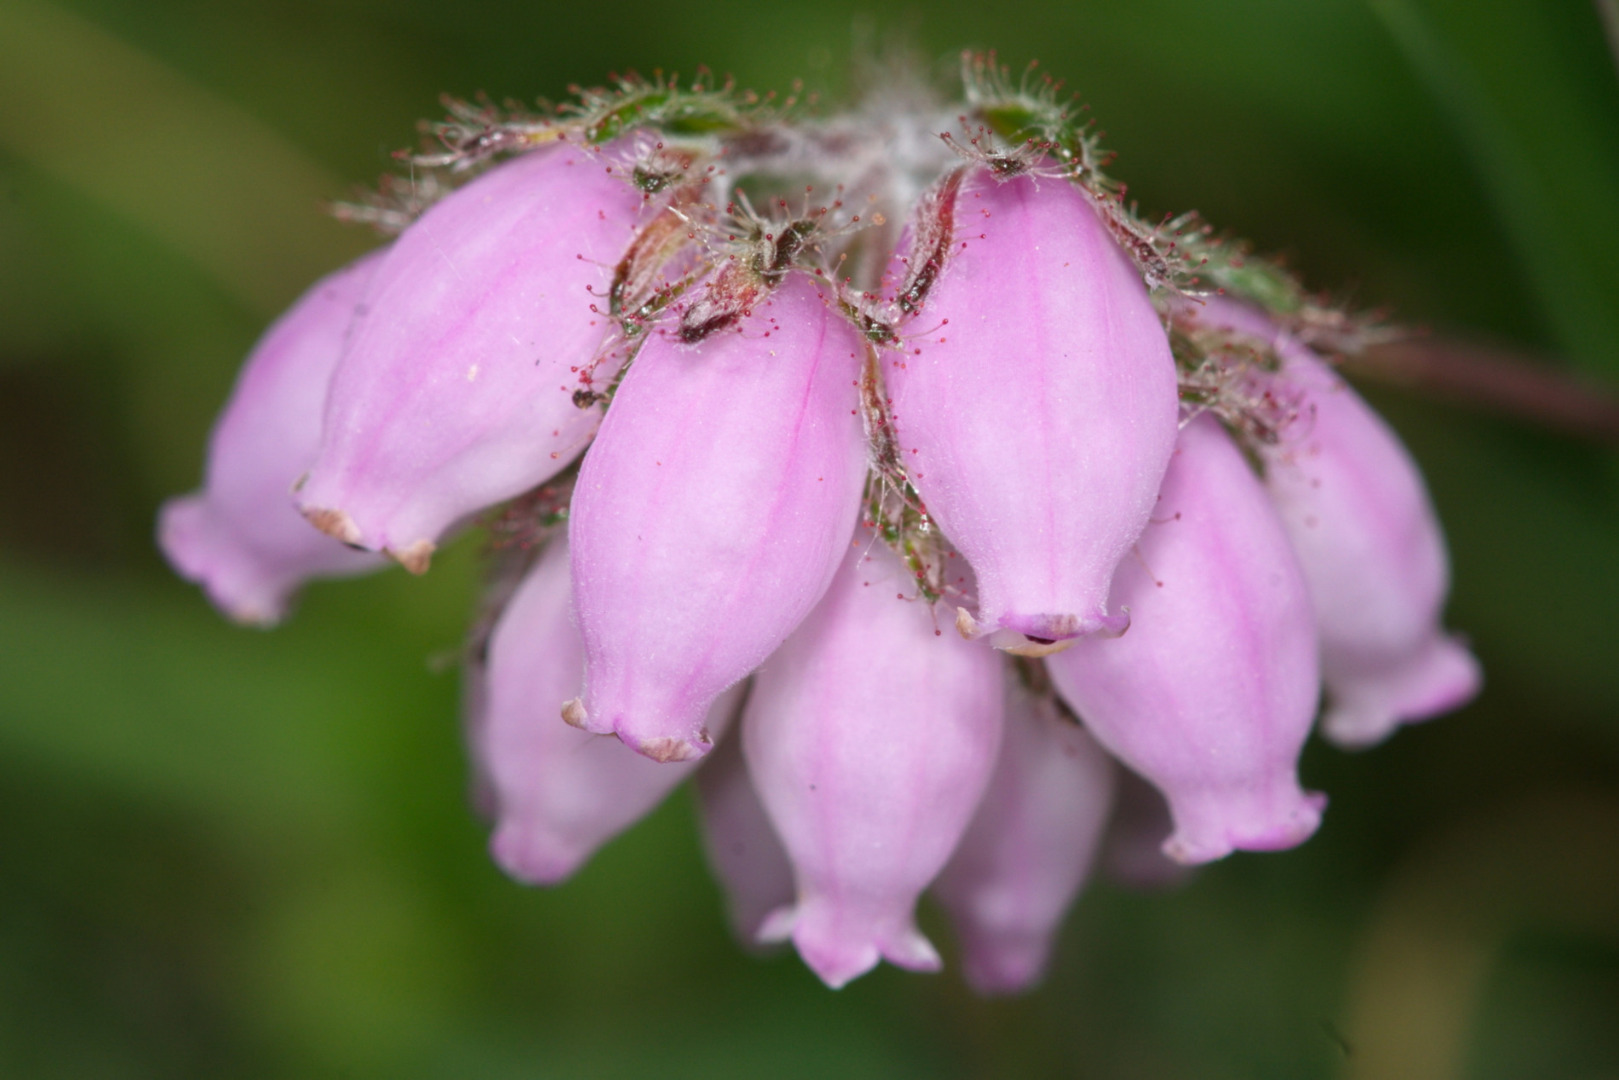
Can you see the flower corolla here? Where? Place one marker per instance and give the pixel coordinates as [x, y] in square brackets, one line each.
[888, 484]
[240, 536]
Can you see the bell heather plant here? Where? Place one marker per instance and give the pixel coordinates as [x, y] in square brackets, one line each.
[889, 455]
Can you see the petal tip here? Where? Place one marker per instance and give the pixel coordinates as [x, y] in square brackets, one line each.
[206, 550]
[912, 951]
[1007, 965]
[532, 859]
[259, 615]
[836, 964]
[670, 749]
[334, 523]
[416, 557]
[777, 927]
[840, 944]
[180, 524]
[1443, 677]
[574, 715]
[1296, 821]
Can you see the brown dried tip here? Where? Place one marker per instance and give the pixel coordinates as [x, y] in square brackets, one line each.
[334, 523]
[415, 557]
[573, 712]
[669, 750]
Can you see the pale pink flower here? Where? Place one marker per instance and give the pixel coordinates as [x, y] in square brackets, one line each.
[457, 389]
[1212, 692]
[556, 793]
[711, 513]
[1037, 420]
[740, 842]
[1366, 534]
[240, 537]
[1030, 846]
[870, 736]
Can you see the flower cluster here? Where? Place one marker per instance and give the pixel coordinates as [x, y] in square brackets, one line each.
[922, 502]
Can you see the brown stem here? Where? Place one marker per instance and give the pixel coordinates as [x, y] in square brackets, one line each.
[1497, 380]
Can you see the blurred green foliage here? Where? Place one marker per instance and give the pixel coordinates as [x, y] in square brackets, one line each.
[224, 853]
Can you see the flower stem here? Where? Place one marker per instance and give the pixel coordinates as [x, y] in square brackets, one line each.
[1496, 380]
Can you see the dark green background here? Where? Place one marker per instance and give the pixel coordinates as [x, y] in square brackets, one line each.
[227, 853]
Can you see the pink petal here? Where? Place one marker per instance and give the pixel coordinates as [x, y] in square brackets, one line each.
[1029, 849]
[458, 391]
[1037, 423]
[1367, 536]
[711, 513]
[740, 842]
[241, 537]
[558, 793]
[1133, 847]
[870, 737]
[1212, 692]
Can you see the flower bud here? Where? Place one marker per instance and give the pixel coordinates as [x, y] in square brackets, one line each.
[711, 513]
[1358, 514]
[241, 537]
[870, 736]
[1029, 848]
[740, 842]
[558, 793]
[457, 392]
[1212, 692]
[1037, 420]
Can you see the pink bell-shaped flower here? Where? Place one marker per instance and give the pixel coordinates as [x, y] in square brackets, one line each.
[1367, 536]
[1037, 419]
[870, 737]
[1212, 692]
[1132, 852]
[711, 513]
[558, 793]
[457, 391]
[240, 536]
[1029, 848]
[740, 842]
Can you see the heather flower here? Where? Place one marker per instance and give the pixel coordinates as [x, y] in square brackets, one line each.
[1037, 422]
[1132, 852]
[556, 794]
[871, 736]
[711, 513]
[741, 843]
[929, 450]
[1029, 848]
[241, 538]
[1358, 516]
[1212, 692]
[456, 391]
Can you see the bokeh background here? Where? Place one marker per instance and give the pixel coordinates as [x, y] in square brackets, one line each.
[231, 853]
